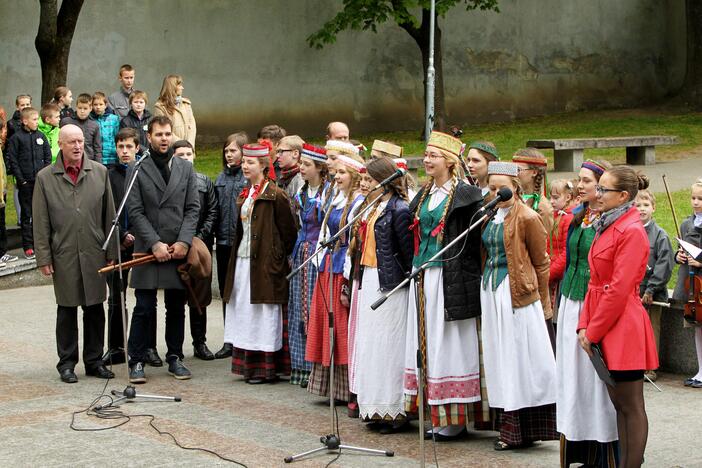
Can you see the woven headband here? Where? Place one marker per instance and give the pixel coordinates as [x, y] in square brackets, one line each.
[594, 167]
[534, 160]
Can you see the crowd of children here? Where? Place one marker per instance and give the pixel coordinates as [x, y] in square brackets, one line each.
[494, 322]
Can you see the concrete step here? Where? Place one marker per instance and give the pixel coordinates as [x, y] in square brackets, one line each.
[21, 273]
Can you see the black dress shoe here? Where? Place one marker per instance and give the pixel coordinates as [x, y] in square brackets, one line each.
[225, 352]
[114, 356]
[203, 352]
[152, 358]
[68, 376]
[101, 372]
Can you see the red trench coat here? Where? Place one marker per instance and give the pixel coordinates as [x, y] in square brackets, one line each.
[612, 313]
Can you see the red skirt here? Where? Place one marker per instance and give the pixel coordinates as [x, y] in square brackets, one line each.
[317, 349]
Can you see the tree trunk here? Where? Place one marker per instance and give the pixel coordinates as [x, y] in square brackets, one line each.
[421, 37]
[53, 42]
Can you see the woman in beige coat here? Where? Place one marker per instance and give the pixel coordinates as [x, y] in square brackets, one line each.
[173, 105]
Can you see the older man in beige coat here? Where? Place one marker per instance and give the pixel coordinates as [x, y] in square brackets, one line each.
[72, 209]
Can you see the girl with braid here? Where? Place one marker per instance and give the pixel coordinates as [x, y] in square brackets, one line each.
[341, 209]
[585, 416]
[531, 164]
[307, 204]
[532, 177]
[519, 363]
[383, 242]
[447, 304]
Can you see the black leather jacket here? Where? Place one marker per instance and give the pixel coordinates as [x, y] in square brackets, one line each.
[228, 185]
[393, 243]
[209, 210]
[461, 275]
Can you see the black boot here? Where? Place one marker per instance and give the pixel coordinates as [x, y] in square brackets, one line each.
[225, 352]
[203, 352]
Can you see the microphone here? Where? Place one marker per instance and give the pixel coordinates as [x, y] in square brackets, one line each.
[503, 194]
[141, 160]
[396, 175]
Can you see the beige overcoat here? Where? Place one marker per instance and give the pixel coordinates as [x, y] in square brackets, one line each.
[71, 222]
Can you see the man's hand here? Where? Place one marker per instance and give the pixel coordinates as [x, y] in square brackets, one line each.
[160, 251]
[47, 270]
[647, 299]
[128, 241]
[584, 342]
[180, 250]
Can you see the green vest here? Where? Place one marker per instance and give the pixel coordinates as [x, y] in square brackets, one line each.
[428, 220]
[496, 261]
[577, 274]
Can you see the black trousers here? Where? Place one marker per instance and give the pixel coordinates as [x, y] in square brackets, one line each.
[115, 328]
[25, 199]
[67, 336]
[198, 325]
[224, 252]
[142, 328]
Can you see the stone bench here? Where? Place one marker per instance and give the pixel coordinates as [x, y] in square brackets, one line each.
[568, 153]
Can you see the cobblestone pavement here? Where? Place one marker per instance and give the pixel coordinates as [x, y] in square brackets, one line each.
[257, 425]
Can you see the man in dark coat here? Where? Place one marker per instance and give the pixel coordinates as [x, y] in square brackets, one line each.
[73, 208]
[163, 210]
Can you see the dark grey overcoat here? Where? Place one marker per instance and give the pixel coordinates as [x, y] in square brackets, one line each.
[165, 213]
[71, 222]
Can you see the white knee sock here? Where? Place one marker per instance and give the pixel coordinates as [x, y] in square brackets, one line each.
[698, 345]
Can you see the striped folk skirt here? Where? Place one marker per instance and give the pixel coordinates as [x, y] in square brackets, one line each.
[299, 305]
[527, 425]
[262, 364]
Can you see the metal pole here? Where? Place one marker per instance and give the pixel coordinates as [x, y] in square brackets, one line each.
[429, 113]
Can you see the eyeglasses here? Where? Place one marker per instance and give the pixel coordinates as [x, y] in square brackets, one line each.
[602, 190]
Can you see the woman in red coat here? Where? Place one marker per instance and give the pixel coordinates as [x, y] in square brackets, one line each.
[613, 315]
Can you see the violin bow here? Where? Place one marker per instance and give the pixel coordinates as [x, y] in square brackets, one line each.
[672, 207]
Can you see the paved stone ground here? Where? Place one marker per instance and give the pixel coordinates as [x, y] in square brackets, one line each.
[257, 425]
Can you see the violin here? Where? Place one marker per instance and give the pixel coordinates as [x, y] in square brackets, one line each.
[693, 306]
[693, 282]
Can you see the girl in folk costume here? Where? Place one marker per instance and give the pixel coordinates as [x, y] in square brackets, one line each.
[384, 242]
[480, 154]
[691, 231]
[563, 201]
[338, 214]
[532, 177]
[613, 315]
[519, 363]
[256, 288]
[585, 416]
[308, 205]
[447, 293]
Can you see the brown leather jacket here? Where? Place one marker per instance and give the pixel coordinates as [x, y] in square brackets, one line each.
[273, 236]
[527, 259]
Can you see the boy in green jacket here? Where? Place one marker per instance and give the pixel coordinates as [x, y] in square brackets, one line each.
[49, 118]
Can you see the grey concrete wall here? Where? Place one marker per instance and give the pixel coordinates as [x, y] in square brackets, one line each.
[247, 63]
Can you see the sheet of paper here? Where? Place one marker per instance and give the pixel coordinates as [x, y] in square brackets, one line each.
[690, 249]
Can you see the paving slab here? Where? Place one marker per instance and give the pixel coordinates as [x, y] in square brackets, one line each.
[255, 424]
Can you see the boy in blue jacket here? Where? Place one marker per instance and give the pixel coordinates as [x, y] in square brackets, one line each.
[109, 126]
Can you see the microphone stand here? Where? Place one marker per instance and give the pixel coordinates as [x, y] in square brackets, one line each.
[129, 393]
[420, 359]
[332, 441]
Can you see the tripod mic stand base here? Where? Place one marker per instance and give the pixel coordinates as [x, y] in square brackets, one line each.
[130, 394]
[331, 443]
